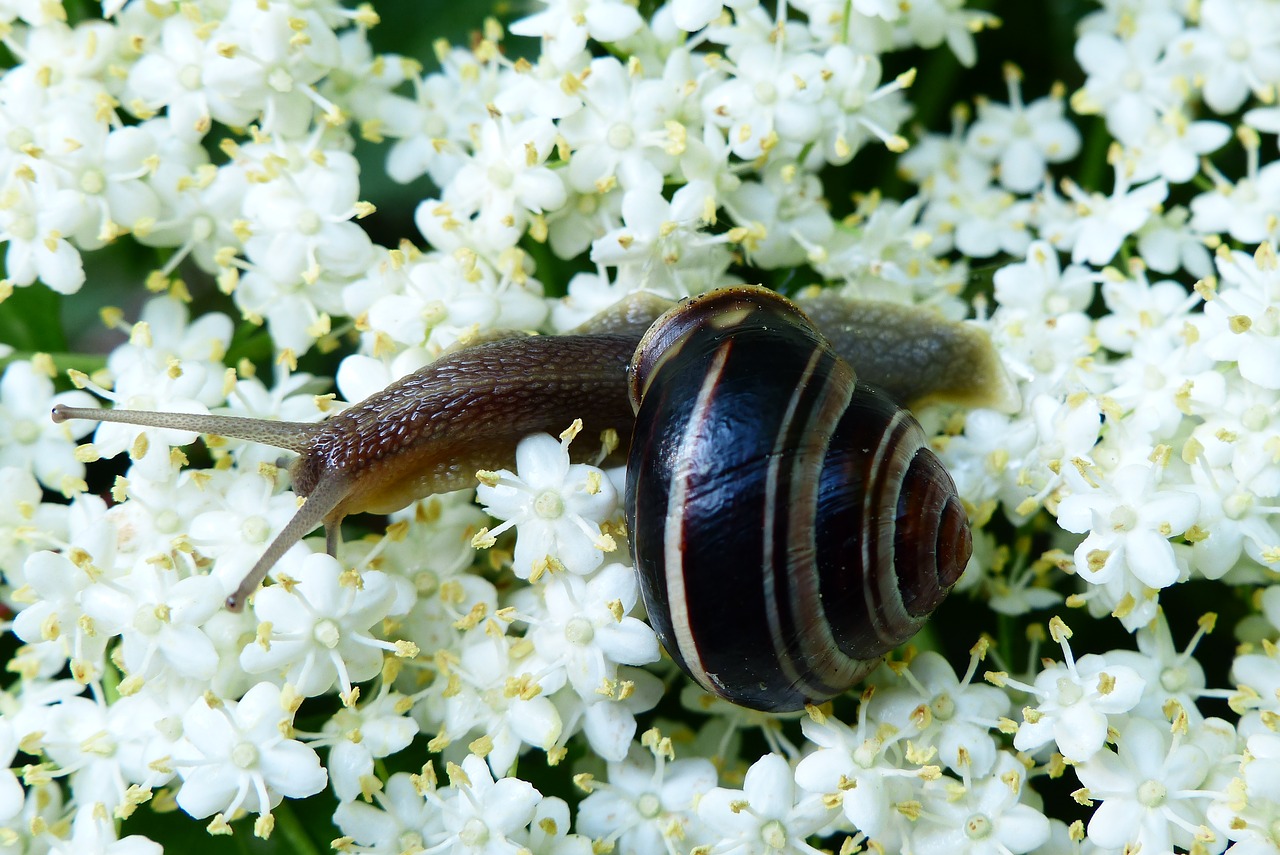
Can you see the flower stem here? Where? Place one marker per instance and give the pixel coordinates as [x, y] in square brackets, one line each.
[295, 834]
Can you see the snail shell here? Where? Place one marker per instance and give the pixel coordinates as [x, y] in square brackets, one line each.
[790, 525]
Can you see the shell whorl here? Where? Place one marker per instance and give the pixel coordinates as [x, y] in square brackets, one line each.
[787, 521]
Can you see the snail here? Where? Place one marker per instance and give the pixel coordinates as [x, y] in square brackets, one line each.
[789, 523]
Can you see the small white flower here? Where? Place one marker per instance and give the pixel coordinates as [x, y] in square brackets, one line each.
[1130, 519]
[587, 628]
[363, 734]
[235, 755]
[945, 712]
[863, 767]
[986, 818]
[319, 627]
[1075, 698]
[1149, 787]
[28, 437]
[648, 800]
[483, 816]
[94, 833]
[1023, 139]
[764, 817]
[555, 507]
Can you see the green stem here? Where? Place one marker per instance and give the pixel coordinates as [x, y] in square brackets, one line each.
[295, 834]
[1093, 157]
[86, 362]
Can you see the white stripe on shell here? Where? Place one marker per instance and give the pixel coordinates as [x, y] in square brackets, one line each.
[673, 543]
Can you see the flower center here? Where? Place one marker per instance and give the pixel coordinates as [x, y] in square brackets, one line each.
[944, 708]
[327, 633]
[1124, 518]
[308, 223]
[1173, 679]
[501, 176]
[977, 827]
[774, 834]
[474, 833]
[280, 80]
[93, 181]
[168, 521]
[255, 529]
[426, 583]
[766, 92]
[25, 431]
[245, 755]
[1237, 505]
[1068, 692]
[189, 77]
[621, 136]
[865, 754]
[548, 505]
[579, 631]
[1238, 49]
[145, 620]
[1132, 80]
[648, 806]
[1152, 793]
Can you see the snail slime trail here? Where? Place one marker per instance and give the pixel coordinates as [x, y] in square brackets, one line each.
[737, 408]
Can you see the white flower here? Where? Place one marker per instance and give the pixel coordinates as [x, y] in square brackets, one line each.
[858, 108]
[1130, 519]
[402, 819]
[158, 616]
[784, 216]
[1244, 208]
[1103, 222]
[11, 794]
[765, 817]
[241, 515]
[771, 100]
[235, 754]
[1130, 80]
[28, 437]
[565, 25]
[661, 246]
[506, 178]
[693, 15]
[1022, 139]
[863, 768]
[36, 223]
[1149, 787]
[94, 833]
[1174, 679]
[316, 631]
[1232, 51]
[363, 734]
[986, 817]
[587, 628]
[648, 800]
[500, 691]
[620, 133]
[483, 816]
[1242, 321]
[1075, 698]
[942, 711]
[555, 507]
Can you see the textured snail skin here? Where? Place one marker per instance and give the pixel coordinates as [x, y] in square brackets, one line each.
[790, 526]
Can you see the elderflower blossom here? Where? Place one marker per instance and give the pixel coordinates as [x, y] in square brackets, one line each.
[1116, 241]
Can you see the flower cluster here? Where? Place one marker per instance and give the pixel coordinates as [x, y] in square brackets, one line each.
[669, 149]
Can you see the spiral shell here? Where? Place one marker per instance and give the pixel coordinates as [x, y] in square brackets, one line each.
[790, 525]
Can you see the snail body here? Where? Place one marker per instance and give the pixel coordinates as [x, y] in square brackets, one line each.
[758, 464]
